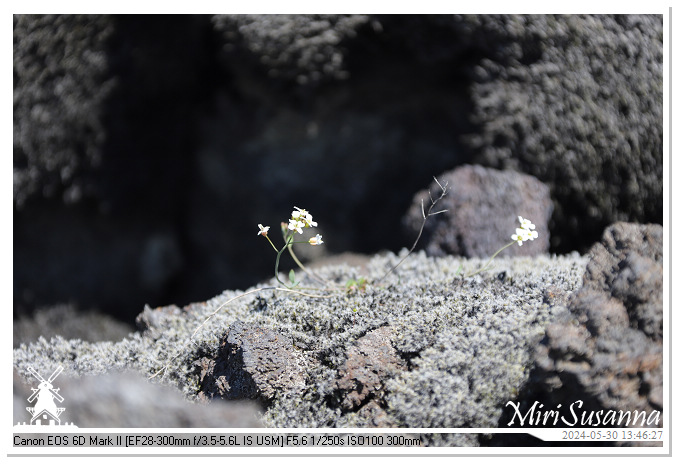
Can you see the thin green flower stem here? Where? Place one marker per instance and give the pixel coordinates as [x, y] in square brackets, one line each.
[274, 246]
[491, 258]
[288, 241]
[294, 257]
[301, 266]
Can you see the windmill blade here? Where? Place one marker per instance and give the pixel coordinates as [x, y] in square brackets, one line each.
[56, 395]
[34, 395]
[35, 374]
[55, 374]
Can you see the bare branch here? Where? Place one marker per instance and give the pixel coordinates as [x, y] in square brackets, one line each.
[438, 212]
[425, 216]
[443, 189]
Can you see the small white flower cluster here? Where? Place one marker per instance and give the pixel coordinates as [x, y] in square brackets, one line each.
[525, 232]
[299, 220]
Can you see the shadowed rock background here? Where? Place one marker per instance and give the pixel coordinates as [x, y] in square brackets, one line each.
[147, 148]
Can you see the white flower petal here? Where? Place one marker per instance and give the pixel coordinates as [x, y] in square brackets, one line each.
[526, 223]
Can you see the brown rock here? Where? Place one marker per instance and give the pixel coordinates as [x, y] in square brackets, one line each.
[369, 363]
[609, 352]
[483, 205]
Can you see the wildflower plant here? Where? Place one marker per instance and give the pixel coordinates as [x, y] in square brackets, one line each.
[300, 219]
[522, 234]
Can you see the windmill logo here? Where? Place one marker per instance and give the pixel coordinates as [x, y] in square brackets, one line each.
[45, 411]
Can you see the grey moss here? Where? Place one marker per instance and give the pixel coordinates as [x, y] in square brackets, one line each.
[467, 341]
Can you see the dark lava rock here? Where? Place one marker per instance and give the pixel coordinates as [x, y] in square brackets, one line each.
[304, 49]
[139, 139]
[100, 170]
[607, 352]
[482, 207]
[252, 362]
[628, 264]
[61, 81]
[575, 101]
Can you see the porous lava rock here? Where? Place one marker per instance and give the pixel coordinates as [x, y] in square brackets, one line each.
[607, 351]
[482, 208]
[370, 361]
[253, 362]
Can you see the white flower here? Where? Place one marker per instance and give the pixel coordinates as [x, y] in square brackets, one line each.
[296, 226]
[525, 232]
[263, 230]
[309, 222]
[520, 236]
[531, 234]
[300, 214]
[303, 216]
[526, 224]
[317, 240]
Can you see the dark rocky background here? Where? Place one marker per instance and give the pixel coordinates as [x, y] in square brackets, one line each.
[147, 148]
